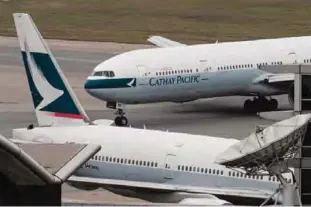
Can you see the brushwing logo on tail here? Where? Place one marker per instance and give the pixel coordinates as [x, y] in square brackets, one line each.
[48, 92]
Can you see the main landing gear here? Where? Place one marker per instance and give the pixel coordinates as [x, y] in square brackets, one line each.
[120, 119]
[260, 104]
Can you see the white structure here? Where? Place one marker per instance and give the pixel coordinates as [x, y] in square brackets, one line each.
[269, 150]
[26, 182]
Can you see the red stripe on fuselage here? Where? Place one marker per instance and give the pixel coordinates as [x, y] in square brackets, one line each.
[71, 116]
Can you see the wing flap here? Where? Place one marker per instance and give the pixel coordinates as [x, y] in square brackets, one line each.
[251, 193]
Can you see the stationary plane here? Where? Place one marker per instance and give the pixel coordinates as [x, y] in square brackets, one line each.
[157, 166]
[179, 73]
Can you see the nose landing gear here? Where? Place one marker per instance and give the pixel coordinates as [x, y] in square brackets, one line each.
[120, 119]
[260, 104]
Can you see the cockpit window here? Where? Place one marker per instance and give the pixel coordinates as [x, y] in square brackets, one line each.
[111, 73]
[104, 73]
[99, 73]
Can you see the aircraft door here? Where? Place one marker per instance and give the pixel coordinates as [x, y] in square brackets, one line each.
[142, 70]
[292, 58]
[170, 162]
[205, 65]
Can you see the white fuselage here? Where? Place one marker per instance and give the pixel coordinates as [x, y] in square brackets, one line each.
[152, 156]
[187, 73]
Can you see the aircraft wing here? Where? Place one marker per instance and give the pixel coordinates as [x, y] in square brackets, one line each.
[164, 42]
[162, 187]
[274, 78]
[282, 80]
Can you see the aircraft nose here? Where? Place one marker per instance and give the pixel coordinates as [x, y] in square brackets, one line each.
[87, 85]
[90, 87]
[96, 89]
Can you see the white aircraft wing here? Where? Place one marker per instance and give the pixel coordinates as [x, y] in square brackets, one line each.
[162, 187]
[164, 42]
[278, 81]
[275, 78]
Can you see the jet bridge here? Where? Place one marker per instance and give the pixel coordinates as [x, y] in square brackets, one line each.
[301, 90]
[26, 181]
[302, 104]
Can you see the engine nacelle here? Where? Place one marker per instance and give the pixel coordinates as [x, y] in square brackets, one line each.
[83, 186]
[291, 93]
[205, 201]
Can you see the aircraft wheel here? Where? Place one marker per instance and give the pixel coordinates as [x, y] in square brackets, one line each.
[117, 121]
[121, 121]
[273, 104]
[264, 105]
[249, 106]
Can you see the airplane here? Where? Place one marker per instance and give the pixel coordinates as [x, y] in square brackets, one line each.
[154, 165]
[180, 73]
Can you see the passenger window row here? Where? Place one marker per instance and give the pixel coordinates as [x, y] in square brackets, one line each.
[199, 170]
[276, 180]
[175, 72]
[180, 167]
[257, 177]
[307, 60]
[246, 66]
[239, 174]
[124, 161]
[233, 67]
[277, 63]
[227, 67]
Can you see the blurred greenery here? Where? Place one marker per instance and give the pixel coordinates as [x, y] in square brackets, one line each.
[188, 21]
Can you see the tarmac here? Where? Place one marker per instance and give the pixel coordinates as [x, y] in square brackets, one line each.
[216, 117]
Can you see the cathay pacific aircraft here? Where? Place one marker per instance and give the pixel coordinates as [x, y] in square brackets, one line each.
[180, 73]
[157, 166]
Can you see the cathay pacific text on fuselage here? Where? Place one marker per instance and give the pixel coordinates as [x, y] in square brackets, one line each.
[174, 80]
